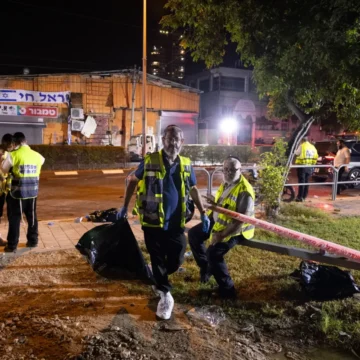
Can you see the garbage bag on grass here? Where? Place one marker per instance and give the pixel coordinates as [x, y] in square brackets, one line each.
[113, 252]
[323, 282]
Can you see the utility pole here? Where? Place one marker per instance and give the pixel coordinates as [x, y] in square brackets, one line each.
[144, 82]
[133, 103]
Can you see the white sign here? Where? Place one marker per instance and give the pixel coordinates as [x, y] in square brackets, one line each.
[9, 95]
[11, 110]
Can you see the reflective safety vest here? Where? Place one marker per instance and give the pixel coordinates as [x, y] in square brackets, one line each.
[6, 183]
[149, 201]
[26, 172]
[230, 203]
[308, 154]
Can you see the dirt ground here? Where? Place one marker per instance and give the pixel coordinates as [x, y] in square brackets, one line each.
[53, 306]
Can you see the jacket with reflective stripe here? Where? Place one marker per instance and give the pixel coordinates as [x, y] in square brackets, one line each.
[308, 154]
[6, 183]
[230, 203]
[26, 172]
[149, 202]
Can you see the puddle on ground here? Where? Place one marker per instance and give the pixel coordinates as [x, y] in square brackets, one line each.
[320, 354]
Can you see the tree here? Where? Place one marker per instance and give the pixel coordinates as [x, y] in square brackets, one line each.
[305, 53]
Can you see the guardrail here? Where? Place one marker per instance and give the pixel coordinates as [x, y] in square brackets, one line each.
[210, 177]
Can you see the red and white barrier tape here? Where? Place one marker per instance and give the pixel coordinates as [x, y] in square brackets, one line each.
[308, 239]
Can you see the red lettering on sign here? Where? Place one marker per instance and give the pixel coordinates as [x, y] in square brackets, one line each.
[40, 111]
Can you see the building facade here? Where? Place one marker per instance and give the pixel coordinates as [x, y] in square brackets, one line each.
[55, 109]
[230, 93]
[167, 57]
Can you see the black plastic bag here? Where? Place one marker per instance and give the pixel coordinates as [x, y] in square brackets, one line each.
[108, 215]
[113, 252]
[323, 282]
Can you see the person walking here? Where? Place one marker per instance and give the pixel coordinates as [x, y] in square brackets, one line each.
[342, 157]
[306, 155]
[236, 194]
[26, 166]
[166, 180]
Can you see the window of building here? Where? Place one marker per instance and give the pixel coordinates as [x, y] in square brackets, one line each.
[204, 85]
[252, 86]
[216, 84]
[155, 63]
[232, 84]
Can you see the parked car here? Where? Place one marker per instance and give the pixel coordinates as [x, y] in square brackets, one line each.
[327, 151]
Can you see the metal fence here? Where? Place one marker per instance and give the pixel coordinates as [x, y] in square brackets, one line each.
[212, 172]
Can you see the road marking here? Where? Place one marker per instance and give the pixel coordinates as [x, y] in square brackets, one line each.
[112, 171]
[66, 173]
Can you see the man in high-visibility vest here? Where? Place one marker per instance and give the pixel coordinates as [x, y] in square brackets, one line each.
[236, 194]
[167, 180]
[26, 166]
[306, 154]
[5, 179]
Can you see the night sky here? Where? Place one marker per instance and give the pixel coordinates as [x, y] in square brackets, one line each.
[72, 36]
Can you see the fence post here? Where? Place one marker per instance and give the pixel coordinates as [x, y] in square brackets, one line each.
[335, 185]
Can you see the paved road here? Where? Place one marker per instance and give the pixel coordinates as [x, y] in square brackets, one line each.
[67, 197]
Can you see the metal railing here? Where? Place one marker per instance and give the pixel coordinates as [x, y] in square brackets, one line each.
[210, 177]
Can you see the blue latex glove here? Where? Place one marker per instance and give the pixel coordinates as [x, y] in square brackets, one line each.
[205, 223]
[122, 214]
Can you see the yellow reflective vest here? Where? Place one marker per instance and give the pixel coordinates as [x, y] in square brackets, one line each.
[149, 201]
[230, 203]
[6, 183]
[26, 172]
[308, 154]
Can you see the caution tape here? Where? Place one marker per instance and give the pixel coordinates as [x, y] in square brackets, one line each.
[292, 234]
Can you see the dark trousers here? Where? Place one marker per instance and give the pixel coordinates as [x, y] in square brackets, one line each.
[303, 177]
[340, 187]
[16, 208]
[166, 249]
[211, 260]
[2, 204]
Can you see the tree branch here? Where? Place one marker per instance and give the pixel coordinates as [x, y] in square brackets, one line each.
[295, 109]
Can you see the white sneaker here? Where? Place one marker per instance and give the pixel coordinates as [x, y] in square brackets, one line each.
[156, 291]
[165, 306]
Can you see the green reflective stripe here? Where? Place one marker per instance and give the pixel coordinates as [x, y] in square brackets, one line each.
[232, 197]
[150, 173]
[248, 227]
[223, 222]
[152, 167]
[155, 199]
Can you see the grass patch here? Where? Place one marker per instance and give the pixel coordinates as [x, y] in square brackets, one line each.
[265, 290]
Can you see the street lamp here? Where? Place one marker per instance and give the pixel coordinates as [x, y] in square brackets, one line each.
[228, 126]
[144, 60]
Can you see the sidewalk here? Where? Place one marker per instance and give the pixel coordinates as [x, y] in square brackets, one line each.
[56, 235]
[64, 234]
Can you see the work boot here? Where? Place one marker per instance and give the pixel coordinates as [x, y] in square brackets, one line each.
[227, 293]
[9, 249]
[31, 244]
[3, 242]
[205, 276]
[165, 306]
